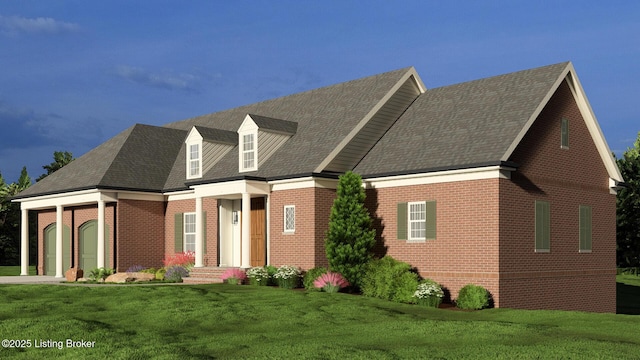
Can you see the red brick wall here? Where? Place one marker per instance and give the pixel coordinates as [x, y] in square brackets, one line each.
[209, 205]
[566, 178]
[466, 246]
[140, 233]
[74, 218]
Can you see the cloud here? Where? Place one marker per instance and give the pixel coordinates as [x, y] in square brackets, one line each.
[164, 80]
[16, 24]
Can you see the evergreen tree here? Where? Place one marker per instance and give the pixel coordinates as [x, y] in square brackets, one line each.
[60, 159]
[10, 218]
[628, 206]
[350, 238]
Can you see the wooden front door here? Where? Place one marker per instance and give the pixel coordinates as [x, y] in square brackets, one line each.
[258, 232]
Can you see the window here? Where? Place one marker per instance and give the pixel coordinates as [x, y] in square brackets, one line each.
[189, 232]
[289, 218]
[248, 152]
[543, 228]
[416, 221]
[585, 228]
[194, 160]
[564, 134]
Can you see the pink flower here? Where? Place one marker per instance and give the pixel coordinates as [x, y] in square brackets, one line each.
[233, 273]
[330, 282]
[185, 259]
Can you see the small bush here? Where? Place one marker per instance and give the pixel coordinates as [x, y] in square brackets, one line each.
[185, 259]
[331, 282]
[472, 297]
[135, 268]
[233, 276]
[160, 273]
[389, 279]
[429, 293]
[99, 274]
[258, 276]
[176, 273]
[311, 276]
[271, 270]
[288, 276]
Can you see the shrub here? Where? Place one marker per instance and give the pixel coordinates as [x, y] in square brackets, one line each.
[233, 276]
[472, 297]
[311, 276]
[271, 270]
[429, 293]
[258, 276]
[287, 276]
[330, 282]
[350, 239]
[149, 271]
[176, 273]
[185, 259]
[389, 279]
[135, 268]
[99, 274]
[160, 273]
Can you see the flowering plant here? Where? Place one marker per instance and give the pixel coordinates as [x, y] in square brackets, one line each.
[176, 273]
[258, 276]
[287, 276]
[185, 259]
[233, 276]
[429, 293]
[330, 282]
[135, 268]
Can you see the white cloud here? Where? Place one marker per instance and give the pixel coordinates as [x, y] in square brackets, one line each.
[164, 80]
[18, 24]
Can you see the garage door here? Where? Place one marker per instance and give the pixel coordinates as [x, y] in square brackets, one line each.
[50, 249]
[88, 246]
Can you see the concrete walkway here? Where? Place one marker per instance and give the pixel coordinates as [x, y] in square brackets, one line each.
[31, 279]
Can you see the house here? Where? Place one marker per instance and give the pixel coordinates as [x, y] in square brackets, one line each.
[506, 182]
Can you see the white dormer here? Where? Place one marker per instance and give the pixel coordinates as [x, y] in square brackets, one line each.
[259, 137]
[194, 154]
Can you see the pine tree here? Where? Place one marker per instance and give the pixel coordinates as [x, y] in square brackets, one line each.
[350, 238]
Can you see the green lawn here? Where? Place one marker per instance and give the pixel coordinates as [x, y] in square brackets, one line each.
[231, 322]
[15, 270]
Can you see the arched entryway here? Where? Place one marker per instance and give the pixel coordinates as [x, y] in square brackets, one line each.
[50, 249]
[88, 246]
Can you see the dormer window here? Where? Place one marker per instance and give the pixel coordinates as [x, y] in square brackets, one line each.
[248, 152]
[194, 161]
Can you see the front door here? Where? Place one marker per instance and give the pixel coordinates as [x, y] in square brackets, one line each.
[258, 232]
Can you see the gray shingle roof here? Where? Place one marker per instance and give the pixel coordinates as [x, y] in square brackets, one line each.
[138, 158]
[217, 135]
[277, 125]
[461, 125]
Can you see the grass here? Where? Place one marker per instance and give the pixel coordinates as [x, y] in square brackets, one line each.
[231, 322]
[15, 270]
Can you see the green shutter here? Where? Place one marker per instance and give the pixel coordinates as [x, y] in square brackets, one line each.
[430, 232]
[178, 232]
[585, 228]
[402, 221]
[564, 133]
[204, 232]
[543, 228]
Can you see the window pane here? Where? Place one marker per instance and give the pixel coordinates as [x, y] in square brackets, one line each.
[417, 217]
[248, 142]
[289, 218]
[194, 151]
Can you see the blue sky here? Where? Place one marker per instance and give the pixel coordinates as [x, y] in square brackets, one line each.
[75, 73]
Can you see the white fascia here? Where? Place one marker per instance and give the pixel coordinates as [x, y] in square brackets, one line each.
[75, 198]
[482, 173]
[303, 183]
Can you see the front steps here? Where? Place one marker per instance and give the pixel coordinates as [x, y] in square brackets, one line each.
[205, 275]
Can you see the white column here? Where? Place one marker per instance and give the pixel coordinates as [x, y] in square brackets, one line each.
[59, 232]
[246, 231]
[24, 239]
[267, 209]
[199, 231]
[101, 238]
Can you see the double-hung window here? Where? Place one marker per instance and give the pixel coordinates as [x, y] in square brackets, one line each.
[416, 221]
[248, 152]
[189, 232]
[564, 134]
[542, 227]
[585, 229]
[289, 218]
[194, 160]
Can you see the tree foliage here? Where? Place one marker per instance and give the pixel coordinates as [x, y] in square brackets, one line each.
[10, 218]
[350, 238]
[628, 208]
[60, 159]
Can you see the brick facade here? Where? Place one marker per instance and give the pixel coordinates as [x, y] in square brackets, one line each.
[210, 206]
[140, 233]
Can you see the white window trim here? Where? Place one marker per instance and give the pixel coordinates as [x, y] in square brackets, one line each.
[284, 218]
[190, 160]
[410, 236]
[187, 232]
[254, 151]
